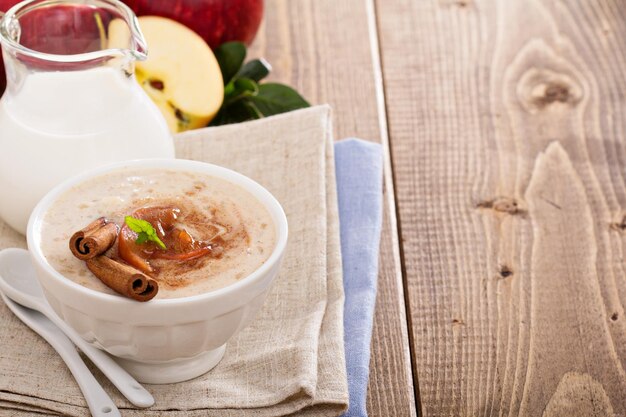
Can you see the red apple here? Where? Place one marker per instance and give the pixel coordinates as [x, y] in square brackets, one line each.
[216, 21]
[7, 4]
[4, 6]
[3, 77]
[181, 74]
[59, 29]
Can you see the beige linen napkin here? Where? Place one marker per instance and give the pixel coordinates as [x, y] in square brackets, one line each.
[291, 358]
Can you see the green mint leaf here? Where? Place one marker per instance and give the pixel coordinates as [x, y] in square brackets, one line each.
[230, 57]
[137, 225]
[142, 237]
[158, 241]
[256, 70]
[145, 231]
[276, 98]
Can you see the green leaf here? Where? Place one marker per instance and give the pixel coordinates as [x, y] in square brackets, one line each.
[230, 57]
[239, 88]
[145, 231]
[246, 84]
[244, 98]
[276, 98]
[237, 112]
[256, 70]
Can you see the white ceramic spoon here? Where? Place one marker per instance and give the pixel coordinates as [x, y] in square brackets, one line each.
[99, 402]
[19, 283]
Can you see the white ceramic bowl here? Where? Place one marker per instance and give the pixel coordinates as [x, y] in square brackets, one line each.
[169, 340]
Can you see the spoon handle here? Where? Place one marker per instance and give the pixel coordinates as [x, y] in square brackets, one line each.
[99, 402]
[25, 289]
[125, 383]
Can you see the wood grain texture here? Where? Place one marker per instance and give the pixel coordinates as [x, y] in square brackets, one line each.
[507, 125]
[322, 47]
[390, 391]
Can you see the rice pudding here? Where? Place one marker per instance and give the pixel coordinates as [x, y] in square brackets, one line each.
[214, 232]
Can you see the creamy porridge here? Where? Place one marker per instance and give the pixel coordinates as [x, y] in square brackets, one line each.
[214, 233]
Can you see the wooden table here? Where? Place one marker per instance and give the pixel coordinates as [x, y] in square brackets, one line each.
[502, 285]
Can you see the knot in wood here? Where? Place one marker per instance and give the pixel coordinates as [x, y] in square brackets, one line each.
[539, 89]
[620, 225]
[502, 205]
[554, 92]
[457, 3]
[505, 271]
[505, 205]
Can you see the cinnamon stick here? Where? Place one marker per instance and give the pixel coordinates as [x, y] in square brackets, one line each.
[123, 278]
[93, 240]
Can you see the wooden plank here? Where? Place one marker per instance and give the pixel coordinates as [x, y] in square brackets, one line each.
[390, 391]
[322, 47]
[508, 140]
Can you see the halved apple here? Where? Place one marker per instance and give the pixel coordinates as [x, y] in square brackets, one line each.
[181, 74]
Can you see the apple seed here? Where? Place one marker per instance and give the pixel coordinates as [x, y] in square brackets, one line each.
[157, 85]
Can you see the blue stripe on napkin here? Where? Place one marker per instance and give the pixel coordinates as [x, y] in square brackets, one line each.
[359, 191]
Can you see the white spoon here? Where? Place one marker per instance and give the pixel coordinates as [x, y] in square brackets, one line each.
[100, 404]
[19, 283]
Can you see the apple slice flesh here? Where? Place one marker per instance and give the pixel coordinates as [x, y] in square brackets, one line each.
[181, 74]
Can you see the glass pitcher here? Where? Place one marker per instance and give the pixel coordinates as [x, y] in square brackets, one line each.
[71, 102]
